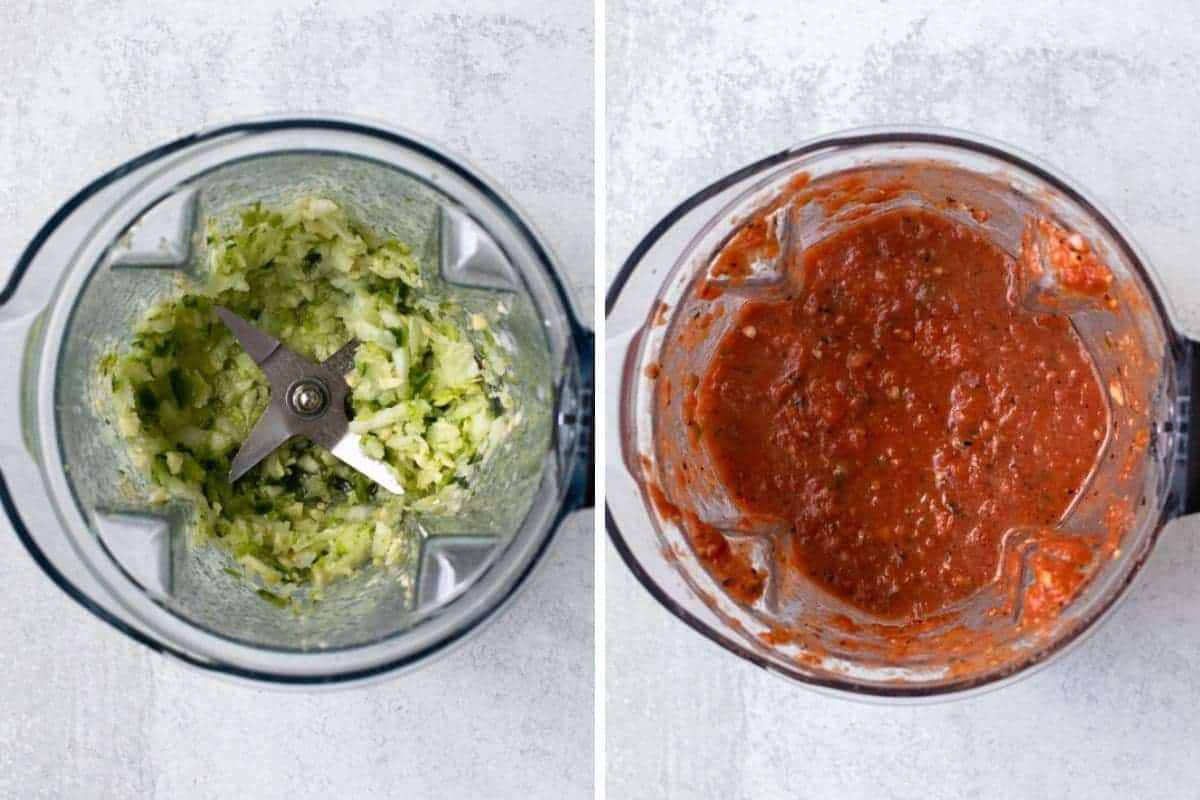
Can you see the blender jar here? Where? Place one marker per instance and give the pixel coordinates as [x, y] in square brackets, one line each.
[801, 633]
[119, 244]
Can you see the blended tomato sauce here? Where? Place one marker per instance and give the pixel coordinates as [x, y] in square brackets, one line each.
[899, 413]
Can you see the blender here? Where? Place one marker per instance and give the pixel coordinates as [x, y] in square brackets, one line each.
[121, 243]
[1145, 471]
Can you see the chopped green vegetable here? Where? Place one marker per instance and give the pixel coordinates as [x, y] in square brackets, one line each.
[274, 599]
[179, 387]
[428, 395]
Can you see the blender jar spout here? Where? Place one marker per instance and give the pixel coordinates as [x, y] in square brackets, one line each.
[17, 332]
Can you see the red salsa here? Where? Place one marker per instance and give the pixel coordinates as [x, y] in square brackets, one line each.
[900, 412]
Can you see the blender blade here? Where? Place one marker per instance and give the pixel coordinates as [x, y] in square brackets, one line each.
[307, 399]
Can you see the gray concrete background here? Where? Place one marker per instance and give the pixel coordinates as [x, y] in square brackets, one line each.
[85, 713]
[1105, 91]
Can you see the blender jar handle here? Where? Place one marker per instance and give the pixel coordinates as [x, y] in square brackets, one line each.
[1189, 424]
[581, 475]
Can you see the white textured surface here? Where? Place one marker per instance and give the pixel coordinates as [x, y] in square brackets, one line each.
[84, 713]
[1104, 91]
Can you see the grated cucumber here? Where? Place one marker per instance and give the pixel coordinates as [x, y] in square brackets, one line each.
[428, 395]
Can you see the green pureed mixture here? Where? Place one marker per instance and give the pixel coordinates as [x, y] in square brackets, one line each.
[430, 395]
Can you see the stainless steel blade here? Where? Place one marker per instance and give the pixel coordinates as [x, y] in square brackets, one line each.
[272, 429]
[295, 378]
[258, 344]
[342, 361]
[348, 449]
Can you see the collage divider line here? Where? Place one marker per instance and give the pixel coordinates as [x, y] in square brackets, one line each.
[599, 189]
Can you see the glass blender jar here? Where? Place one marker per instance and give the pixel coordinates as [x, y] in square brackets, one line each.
[120, 243]
[981, 184]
